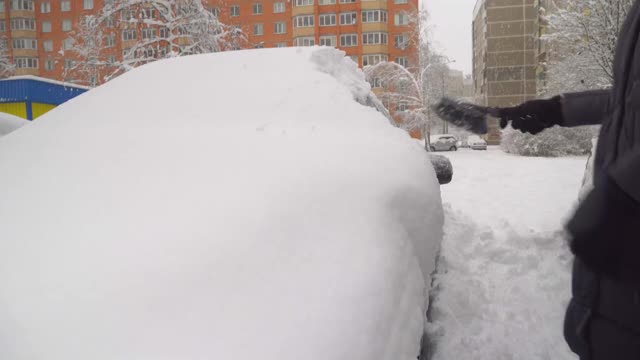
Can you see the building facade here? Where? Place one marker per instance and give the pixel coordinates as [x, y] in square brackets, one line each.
[507, 61]
[36, 32]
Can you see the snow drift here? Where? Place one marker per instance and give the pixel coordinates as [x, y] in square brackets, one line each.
[237, 205]
[10, 123]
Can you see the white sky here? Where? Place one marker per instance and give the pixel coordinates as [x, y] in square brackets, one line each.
[451, 22]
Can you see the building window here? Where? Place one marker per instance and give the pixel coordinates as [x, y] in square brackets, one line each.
[258, 29]
[22, 5]
[305, 41]
[280, 28]
[401, 19]
[1, 5]
[126, 53]
[348, 40]
[402, 106]
[109, 21]
[126, 14]
[303, 21]
[164, 33]
[214, 11]
[400, 1]
[278, 7]
[110, 40]
[66, 25]
[23, 24]
[49, 65]
[111, 59]
[3, 25]
[347, 1]
[373, 59]
[46, 26]
[235, 10]
[349, 18]
[376, 83]
[148, 13]
[281, 45]
[47, 45]
[402, 61]
[374, 38]
[401, 41]
[87, 4]
[374, 16]
[68, 63]
[128, 34]
[67, 44]
[327, 19]
[45, 7]
[257, 9]
[31, 44]
[304, 2]
[148, 33]
[26, 62]
[328, 40]
[326, 2]
[65, 5]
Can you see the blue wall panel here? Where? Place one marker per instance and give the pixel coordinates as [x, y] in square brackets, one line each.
[33, 90]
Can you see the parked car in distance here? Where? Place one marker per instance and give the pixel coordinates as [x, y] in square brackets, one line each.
[476, 143]
[443, 142]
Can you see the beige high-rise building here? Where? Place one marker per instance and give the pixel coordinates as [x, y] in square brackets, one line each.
[506, 54]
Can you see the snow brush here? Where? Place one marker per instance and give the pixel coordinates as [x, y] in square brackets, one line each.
[468, 116]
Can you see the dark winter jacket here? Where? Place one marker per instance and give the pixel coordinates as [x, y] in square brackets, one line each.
[608, 293]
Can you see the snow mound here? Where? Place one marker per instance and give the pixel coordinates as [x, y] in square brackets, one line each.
[236, 205]
[10, 123]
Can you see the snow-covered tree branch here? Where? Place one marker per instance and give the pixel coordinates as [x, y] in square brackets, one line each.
[147, 30]
[581, 42]
[7, 68]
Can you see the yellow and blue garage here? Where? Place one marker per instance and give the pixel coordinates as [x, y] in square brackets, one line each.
[29, 97]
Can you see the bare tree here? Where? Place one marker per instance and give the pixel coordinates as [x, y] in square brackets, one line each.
[7, 68]
[147, 30]
[412, 89]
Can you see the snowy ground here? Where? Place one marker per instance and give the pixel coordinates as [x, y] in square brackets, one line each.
[504, 275]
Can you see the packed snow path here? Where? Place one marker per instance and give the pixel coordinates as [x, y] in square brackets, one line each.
[504, 273]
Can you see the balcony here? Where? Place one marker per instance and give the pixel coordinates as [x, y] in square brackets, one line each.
[303, 31]
[373, 5]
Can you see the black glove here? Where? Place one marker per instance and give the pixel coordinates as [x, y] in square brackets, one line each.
[532, 116]
[604, 232]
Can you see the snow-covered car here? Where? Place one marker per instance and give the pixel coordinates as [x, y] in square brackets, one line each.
[10, 123]
[238, 205]
[476, 143]
[443, 143]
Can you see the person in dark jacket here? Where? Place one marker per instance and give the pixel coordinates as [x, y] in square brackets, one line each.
[603, 317]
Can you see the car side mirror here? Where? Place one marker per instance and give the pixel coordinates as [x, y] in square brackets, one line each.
[443, 168]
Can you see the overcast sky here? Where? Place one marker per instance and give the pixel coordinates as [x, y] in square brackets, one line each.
[451, 27]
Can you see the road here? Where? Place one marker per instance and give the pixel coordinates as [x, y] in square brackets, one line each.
[503, 277]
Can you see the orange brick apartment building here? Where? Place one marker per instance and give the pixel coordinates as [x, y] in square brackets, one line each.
[367, 30]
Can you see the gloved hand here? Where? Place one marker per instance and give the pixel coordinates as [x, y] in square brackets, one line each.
[532, 116]
[604, 232]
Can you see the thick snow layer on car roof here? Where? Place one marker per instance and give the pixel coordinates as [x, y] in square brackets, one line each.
[10, 123]
[228, 206]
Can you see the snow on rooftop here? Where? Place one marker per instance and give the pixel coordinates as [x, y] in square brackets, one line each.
[235, 205]
[46, 80]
